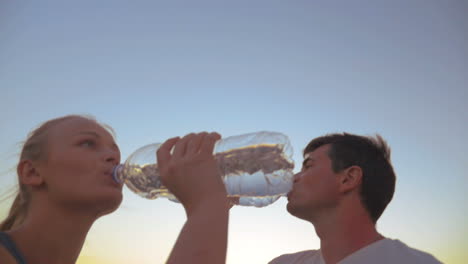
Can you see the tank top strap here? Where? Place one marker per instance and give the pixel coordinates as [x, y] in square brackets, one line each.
[10, 246]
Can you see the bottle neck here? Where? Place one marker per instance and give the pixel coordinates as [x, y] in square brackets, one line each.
[117, 174]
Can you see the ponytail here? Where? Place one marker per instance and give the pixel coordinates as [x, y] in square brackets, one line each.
[17, 213]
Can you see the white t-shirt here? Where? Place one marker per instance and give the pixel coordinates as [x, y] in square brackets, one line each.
[384, 251]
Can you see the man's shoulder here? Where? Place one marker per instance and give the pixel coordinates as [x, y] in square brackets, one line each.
[390, 251]
[306, 256]
[409, 253]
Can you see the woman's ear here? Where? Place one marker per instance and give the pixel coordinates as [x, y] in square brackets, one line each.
[28, 174]
[351, 178]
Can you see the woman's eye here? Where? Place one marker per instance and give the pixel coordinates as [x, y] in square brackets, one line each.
[87, 143]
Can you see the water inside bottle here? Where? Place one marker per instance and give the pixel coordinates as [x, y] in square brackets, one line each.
[145, 181]
[257, 174]
[261, 171]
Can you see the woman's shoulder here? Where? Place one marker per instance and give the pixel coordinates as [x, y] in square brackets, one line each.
[8, 250]
[5, 256]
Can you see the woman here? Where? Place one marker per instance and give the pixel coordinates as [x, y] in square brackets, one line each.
[65, 184]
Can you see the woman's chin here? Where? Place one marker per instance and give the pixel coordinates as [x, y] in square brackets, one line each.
[108, 203]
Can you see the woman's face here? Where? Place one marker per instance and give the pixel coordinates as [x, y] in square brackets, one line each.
[77, 170]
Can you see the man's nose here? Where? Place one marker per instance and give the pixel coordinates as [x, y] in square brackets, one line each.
[297, 176]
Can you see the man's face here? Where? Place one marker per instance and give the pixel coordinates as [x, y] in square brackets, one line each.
[315, 188]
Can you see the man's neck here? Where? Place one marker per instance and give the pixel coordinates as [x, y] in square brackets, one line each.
[53, 236]
[343, 233]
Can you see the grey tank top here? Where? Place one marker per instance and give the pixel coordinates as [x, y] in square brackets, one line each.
[7, 242]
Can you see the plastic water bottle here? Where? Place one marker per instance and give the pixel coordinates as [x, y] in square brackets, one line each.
[256, 169]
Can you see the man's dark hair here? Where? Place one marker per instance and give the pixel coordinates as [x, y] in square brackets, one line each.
[372, 155]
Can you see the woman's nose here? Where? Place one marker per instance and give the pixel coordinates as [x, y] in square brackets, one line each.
[112, 155]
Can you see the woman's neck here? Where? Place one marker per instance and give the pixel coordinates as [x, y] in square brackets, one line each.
[52, 235]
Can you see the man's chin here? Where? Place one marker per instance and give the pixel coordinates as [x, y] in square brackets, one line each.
[290, 208]
[296, 210]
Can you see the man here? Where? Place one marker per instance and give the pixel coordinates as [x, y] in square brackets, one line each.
[345, 184]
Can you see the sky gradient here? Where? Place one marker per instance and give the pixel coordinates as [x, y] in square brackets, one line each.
[158, 69]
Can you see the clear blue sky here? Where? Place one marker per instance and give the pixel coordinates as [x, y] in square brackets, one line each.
[157, 69]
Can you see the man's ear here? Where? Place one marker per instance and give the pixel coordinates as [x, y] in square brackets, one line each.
[351, 178]
[29, 174]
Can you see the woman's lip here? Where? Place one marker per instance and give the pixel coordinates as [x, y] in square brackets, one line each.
[109, 175]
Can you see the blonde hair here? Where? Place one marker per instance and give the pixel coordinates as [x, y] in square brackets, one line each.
[34, 149]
